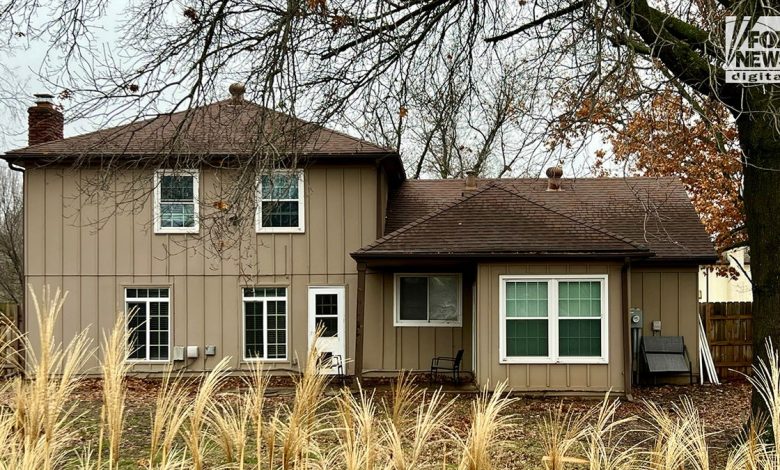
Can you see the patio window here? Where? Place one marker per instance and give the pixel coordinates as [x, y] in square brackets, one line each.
[560, 319]
[148, 319]
[265, 323]
[280, 202]
[427, 300]
[176, 201]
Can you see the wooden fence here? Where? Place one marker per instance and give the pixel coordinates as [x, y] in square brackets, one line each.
[729, 327]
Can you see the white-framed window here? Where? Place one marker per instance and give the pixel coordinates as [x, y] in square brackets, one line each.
[553, 319]
[265, 323]
[148, 319]
[280, 202]
[176, 207]
[428, 300]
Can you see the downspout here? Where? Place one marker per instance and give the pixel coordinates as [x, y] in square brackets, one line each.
[21, 312]
[360, 319]
[625, 292]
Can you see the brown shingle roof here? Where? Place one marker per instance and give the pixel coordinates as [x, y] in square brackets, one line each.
[515, 216]
[221, 128]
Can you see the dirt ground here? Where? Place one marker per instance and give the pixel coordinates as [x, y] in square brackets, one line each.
[723, 408]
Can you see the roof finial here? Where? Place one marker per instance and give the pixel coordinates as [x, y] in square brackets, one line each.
[237, 92]
[554, 175]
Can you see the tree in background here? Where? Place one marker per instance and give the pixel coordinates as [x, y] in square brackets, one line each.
[669, 137]
[11, 237]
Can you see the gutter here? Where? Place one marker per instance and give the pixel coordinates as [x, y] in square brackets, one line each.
[529, 255]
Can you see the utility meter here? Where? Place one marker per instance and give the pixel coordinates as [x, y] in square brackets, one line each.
[635, 316]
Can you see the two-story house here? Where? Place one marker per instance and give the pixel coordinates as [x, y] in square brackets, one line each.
[532, 278]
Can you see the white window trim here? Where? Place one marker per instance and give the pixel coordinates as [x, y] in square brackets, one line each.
[146, 321]
[265, 301]
[435, 323]
[158, 228]
[301, 206]
[552, 319]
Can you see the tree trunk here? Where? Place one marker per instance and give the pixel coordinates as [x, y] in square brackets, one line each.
[760, 142]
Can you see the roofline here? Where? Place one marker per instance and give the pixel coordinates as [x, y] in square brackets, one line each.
[12, 155]
[358, 255]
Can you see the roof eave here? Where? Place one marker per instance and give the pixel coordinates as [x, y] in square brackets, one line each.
[634, 254]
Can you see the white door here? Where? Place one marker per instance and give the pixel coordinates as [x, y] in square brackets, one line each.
[326, 311]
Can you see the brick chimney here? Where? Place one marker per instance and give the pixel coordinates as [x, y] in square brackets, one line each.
[44, 120]
[554, 175]
[470, 183]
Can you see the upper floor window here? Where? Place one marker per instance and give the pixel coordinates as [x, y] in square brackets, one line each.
[176, 201]
[280, 202]
[427, 300]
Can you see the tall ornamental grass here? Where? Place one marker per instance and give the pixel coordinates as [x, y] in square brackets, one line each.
[204, 424]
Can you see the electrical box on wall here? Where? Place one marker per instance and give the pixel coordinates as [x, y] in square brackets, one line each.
[178, 353]
[635, 318]
[210, 350]
[192, 352]
[656, 326]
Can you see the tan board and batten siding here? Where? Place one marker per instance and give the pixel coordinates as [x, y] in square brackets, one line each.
[390, 349]
[93, 253]
[670, 295]
[671, 291]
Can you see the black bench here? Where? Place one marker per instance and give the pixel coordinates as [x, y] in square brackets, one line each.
[664, 355]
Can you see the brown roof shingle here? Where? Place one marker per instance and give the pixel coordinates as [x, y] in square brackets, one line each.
[518, 216]
[221, 128]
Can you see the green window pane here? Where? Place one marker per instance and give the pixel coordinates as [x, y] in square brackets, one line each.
[580, 338]
[526, 338]
[526, 299]
[577, 299]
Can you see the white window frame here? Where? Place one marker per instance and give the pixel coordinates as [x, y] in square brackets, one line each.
[147, 300]
[265, 301]
[552, 320]
[301, 204]
[158, 174]
[427, 323]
